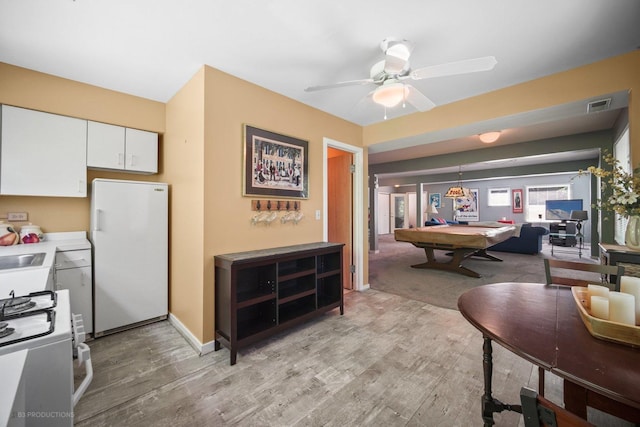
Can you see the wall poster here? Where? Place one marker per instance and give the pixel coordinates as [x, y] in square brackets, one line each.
[467, 208]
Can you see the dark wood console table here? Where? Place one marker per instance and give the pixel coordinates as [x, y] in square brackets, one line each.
[259, 293]
[541, 324]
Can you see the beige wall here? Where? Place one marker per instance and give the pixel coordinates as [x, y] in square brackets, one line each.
[612, 75]
[229, 104]
[183, 158]
[203, 160]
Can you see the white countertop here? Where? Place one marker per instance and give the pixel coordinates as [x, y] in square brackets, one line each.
[31, 279]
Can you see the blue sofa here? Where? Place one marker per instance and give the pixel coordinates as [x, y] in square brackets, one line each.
[434, 221]
[529, 242]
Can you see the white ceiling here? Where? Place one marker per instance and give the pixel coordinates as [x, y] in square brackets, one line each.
[151, 48]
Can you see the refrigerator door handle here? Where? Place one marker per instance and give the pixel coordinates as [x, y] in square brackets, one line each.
[96, 223]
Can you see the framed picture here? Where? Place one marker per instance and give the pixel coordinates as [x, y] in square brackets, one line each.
[467, 208]
[517, 202]
[275, 164]
[434, 200]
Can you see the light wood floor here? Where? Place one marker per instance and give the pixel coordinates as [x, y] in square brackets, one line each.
[389, 361]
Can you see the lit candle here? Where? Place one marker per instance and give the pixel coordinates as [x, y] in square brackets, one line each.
[622, 308]
[631, 285]
[600, 307]
[601, 291]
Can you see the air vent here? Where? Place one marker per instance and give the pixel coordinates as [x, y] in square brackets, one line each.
[597, 106]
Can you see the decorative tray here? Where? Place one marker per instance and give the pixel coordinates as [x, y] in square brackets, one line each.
[604, 329]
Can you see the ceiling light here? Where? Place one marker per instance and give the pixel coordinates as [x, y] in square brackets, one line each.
[390, 94]
[489, 137]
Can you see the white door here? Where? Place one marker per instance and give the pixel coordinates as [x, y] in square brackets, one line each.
[399, 211]
[383, 213]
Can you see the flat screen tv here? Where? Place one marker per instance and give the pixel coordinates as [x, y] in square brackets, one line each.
[560, 210]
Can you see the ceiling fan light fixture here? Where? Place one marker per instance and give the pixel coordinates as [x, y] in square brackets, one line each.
[489, 137]
[391, 94]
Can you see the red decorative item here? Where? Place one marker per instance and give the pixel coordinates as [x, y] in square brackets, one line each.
[517, 201]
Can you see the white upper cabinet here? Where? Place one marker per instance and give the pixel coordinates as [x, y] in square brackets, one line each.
[116, 147]
[42, 154]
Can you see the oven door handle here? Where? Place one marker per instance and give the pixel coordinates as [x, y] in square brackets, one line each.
[84, 356]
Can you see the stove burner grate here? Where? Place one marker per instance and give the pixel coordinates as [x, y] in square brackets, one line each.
[16, 305]
[4, 331]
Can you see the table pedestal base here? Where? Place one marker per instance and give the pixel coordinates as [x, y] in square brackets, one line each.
[457, 256]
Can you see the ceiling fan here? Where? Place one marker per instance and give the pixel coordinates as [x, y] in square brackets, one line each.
[391, 74]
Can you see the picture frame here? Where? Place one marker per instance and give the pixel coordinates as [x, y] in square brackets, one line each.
[517, 201]
[467, 208]
[435, 199]
[275, 164]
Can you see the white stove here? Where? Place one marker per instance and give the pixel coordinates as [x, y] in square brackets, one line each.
[50, 334]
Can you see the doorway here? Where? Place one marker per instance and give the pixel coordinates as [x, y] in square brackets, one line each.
[383, 213]
[340, 207]
[355, 181]
[399, 211]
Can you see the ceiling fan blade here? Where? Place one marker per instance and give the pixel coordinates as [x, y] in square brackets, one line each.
[485, 63]
[418, 100]
[339, 84]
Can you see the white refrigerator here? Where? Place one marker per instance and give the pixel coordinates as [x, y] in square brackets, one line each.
[129, 233]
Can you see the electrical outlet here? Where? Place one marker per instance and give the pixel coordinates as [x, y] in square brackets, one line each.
[17, 216]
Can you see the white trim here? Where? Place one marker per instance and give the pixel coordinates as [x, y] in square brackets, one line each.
[202, 349]
[358, 205]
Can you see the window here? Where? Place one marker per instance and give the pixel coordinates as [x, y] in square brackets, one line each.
[538, 195]
[499, 197]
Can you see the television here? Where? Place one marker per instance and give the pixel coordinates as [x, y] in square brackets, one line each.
[560, 210]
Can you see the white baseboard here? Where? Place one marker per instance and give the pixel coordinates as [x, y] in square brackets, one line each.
[365, 287]
[202, 349]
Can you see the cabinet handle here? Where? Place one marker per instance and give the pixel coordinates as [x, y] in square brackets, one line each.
[133, 159]
[80, 185]
[120, 158]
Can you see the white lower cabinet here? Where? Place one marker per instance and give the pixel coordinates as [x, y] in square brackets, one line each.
[73, 272]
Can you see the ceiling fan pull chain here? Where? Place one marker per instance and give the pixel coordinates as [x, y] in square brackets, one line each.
[385, 113]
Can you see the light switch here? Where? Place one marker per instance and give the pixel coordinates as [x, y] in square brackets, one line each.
[318, 214]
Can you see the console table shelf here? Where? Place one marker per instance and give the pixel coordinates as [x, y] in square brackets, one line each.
[260, 293]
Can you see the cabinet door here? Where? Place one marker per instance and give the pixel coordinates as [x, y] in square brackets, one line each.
[141, 151]
[105, 146]
[78, 281]
[42, 154]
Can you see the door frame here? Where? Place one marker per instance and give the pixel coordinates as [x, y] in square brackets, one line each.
[358, 205]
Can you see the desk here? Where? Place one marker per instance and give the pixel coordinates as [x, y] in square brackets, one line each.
[463, 241]
[541, 324]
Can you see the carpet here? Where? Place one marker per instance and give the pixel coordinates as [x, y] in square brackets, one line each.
[390, 271]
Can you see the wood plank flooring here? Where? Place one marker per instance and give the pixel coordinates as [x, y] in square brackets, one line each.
[389, 361]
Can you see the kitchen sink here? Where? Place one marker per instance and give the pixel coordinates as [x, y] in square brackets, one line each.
[8, 262]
